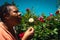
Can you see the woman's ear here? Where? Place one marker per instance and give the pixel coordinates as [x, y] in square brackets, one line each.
[6, 15]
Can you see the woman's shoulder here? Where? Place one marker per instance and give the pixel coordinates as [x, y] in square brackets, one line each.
[5, 33]
[1, 26]
[1, 23]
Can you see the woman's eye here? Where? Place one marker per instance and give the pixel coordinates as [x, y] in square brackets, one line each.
[16, 11]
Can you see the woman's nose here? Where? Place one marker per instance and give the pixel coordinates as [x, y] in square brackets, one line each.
[19, 13]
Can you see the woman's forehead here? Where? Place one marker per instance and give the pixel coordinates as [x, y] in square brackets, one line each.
[12, 8]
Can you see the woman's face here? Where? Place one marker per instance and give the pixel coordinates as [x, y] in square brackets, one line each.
[14, 13]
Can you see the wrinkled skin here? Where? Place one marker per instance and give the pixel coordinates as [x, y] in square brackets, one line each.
[13, 19]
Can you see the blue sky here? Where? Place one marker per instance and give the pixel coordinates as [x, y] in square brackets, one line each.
[37, 6]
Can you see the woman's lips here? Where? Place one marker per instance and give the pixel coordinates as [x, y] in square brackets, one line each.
[19, 18]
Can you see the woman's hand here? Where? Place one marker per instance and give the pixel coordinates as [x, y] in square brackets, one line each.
[28, 34]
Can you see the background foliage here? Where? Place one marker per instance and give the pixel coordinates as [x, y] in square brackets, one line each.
[46, 28]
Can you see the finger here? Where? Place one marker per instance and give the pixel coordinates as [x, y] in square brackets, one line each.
[31, 29]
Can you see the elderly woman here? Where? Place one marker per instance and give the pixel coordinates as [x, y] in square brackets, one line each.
[10, 17]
